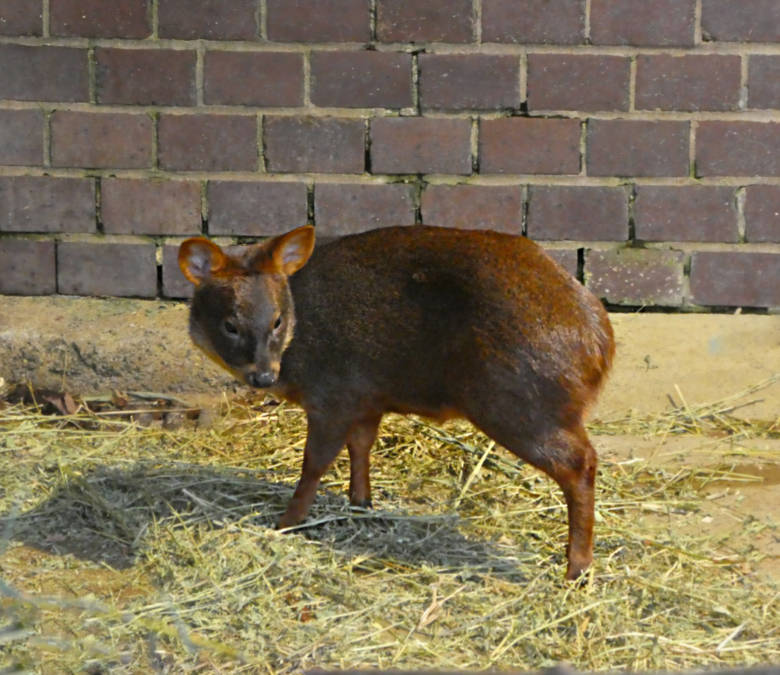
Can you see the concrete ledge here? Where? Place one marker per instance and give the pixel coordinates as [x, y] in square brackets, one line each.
[90, 345]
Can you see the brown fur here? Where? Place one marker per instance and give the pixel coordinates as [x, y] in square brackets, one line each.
[439, 322]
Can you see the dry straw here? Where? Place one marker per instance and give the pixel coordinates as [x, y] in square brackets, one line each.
[130, 549]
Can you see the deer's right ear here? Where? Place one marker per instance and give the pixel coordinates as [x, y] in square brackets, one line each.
[199, 259]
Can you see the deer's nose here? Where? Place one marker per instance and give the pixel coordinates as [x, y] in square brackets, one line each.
[261, 380]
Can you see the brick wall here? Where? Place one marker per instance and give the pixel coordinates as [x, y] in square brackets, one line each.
[638, 140]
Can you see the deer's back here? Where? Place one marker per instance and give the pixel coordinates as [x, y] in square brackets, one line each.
[418, 317]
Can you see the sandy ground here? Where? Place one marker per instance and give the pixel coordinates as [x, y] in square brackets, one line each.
[750, 494]
[93, 345]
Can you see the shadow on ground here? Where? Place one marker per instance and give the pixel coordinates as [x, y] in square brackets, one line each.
[104, 517]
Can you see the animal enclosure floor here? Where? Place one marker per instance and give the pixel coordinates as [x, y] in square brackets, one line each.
[133, 549]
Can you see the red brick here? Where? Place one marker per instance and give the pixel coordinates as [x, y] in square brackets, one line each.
[469, 82]
[477, 207]
[303, 144]
[698, 82]
[125, 206]
[420, 145]
[637, 148]
[208, 142]
[696, 213]
[101, 140]
[361, 79]
[28, 267]
[735, 279]
[741, 20]
[145, 76]
[256, 209]
[578, 213]
[85, 268]
[764, 81]
[208, 19]
[424, 21]
[636, 276]
[319, 20]
[533, 21]
[98, 18]
[738, 149]
[524, 145]
[43, 73]
[646, 23]
[762, 213]
[578, 82]
[246, 78]
[174, 283]
[568, 258]
[21, 137]
[46, 204]
[21, 17]
[474, 207]
[344, 209]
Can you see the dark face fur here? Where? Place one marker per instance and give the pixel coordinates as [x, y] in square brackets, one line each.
[242, 312]
[244, 323]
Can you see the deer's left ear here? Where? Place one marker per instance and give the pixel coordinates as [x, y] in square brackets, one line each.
[289, 252]
[200, 259]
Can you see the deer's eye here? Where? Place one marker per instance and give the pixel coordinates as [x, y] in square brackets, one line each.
[278, 323]
[229, 327]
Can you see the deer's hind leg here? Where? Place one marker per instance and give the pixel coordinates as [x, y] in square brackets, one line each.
[359, 441]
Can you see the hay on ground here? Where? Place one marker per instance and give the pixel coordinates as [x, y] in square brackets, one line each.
[131, 549]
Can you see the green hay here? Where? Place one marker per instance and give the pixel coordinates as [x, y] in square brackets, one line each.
[129, 549]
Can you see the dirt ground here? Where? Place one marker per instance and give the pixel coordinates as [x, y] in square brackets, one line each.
[666, 364]
[750, 493]
[143, 549]
[92, 345]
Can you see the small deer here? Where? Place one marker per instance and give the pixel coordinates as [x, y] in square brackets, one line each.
[433, 321]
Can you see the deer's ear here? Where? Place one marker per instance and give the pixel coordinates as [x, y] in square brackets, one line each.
[289, 252]
[200, 259]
